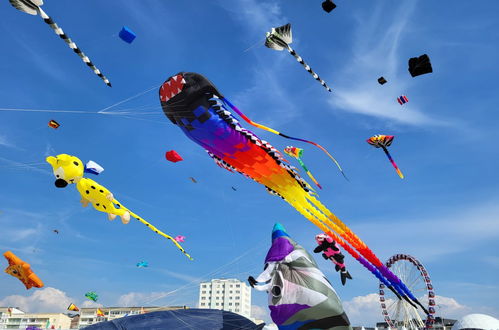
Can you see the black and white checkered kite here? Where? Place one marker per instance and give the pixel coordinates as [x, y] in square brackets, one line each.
[279, 38]
[32, 7]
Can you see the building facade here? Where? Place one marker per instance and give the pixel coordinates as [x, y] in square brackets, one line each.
[227, 294]
[14, 318]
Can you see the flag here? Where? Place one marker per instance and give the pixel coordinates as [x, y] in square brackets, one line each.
[72, 307]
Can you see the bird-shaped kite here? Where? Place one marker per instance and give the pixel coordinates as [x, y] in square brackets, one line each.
[279, 38]
[201, 112]
[383, 142]
[297, 153]
[33, 7]
[69, 170]
[22, 271]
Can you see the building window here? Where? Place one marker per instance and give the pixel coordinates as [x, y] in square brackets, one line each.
[230, 304]
[237, 291]
[238, 285]
[203, 292]
[203, 298]
[203, 286]
[216, 304]
[237, 304]
[202, 304]
[230, 297]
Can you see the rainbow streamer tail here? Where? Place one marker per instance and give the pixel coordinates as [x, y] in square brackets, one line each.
[308, 172]
[159, 232]
[393, 163]
[268, 129]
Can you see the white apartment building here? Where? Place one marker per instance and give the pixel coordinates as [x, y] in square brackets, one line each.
[227, 294]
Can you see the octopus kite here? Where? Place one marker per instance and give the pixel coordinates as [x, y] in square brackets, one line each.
[194, 104]
[22, 271]
[69, 170]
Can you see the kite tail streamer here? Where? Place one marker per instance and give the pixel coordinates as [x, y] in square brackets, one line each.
[308, 172]
[393, 162]
[309, 214]
[307, 67]
[156, 230]
[72, 45]
[268, 129]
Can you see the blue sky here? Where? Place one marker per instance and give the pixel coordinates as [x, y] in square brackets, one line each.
[445, 212]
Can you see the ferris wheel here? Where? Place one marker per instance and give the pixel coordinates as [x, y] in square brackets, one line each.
[399, 313]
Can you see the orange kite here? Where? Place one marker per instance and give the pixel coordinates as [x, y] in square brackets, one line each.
[22, 271]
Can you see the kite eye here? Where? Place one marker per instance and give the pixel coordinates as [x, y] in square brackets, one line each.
[14, 272]
[76, 163]
[276, 291]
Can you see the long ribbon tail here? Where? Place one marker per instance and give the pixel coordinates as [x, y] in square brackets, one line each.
[268, 129]
[302, 164]
[393, 163]
[72, 45]
[307, 67]
[159, 232]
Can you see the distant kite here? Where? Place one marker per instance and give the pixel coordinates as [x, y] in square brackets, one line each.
[420, 65]
[173, 156]
[72, 307]
[22, 271]
[279, 38]
[142, 264]
[32, 7]
[127, 35]
[56, 231]
[93, 168]
[382, 80]
[383, 142]
[402, 99]
[92, 296]
[52, 123]
[234, 189]
[328, 6]
[297, 153]
[193, 180]
[180, 238]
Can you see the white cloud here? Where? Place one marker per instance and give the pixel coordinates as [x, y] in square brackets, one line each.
[46, 300]
[5, 142]
[132, 299]
[90, 304]
[366, 310]
[260, 313]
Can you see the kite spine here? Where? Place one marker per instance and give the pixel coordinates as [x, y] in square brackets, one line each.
[156, 230]
[308, 68]
[72, 45]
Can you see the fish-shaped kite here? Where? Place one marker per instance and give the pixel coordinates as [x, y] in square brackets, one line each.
[279, 38]
[383, 142]
[33, 7]
[194, 104]
[22, 271]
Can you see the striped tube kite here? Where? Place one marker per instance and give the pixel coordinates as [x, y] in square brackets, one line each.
[300, 296]
[194, 104]
[69, 170]
[383, 142]
[297, 153]
[279, 38]
[33, 7]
